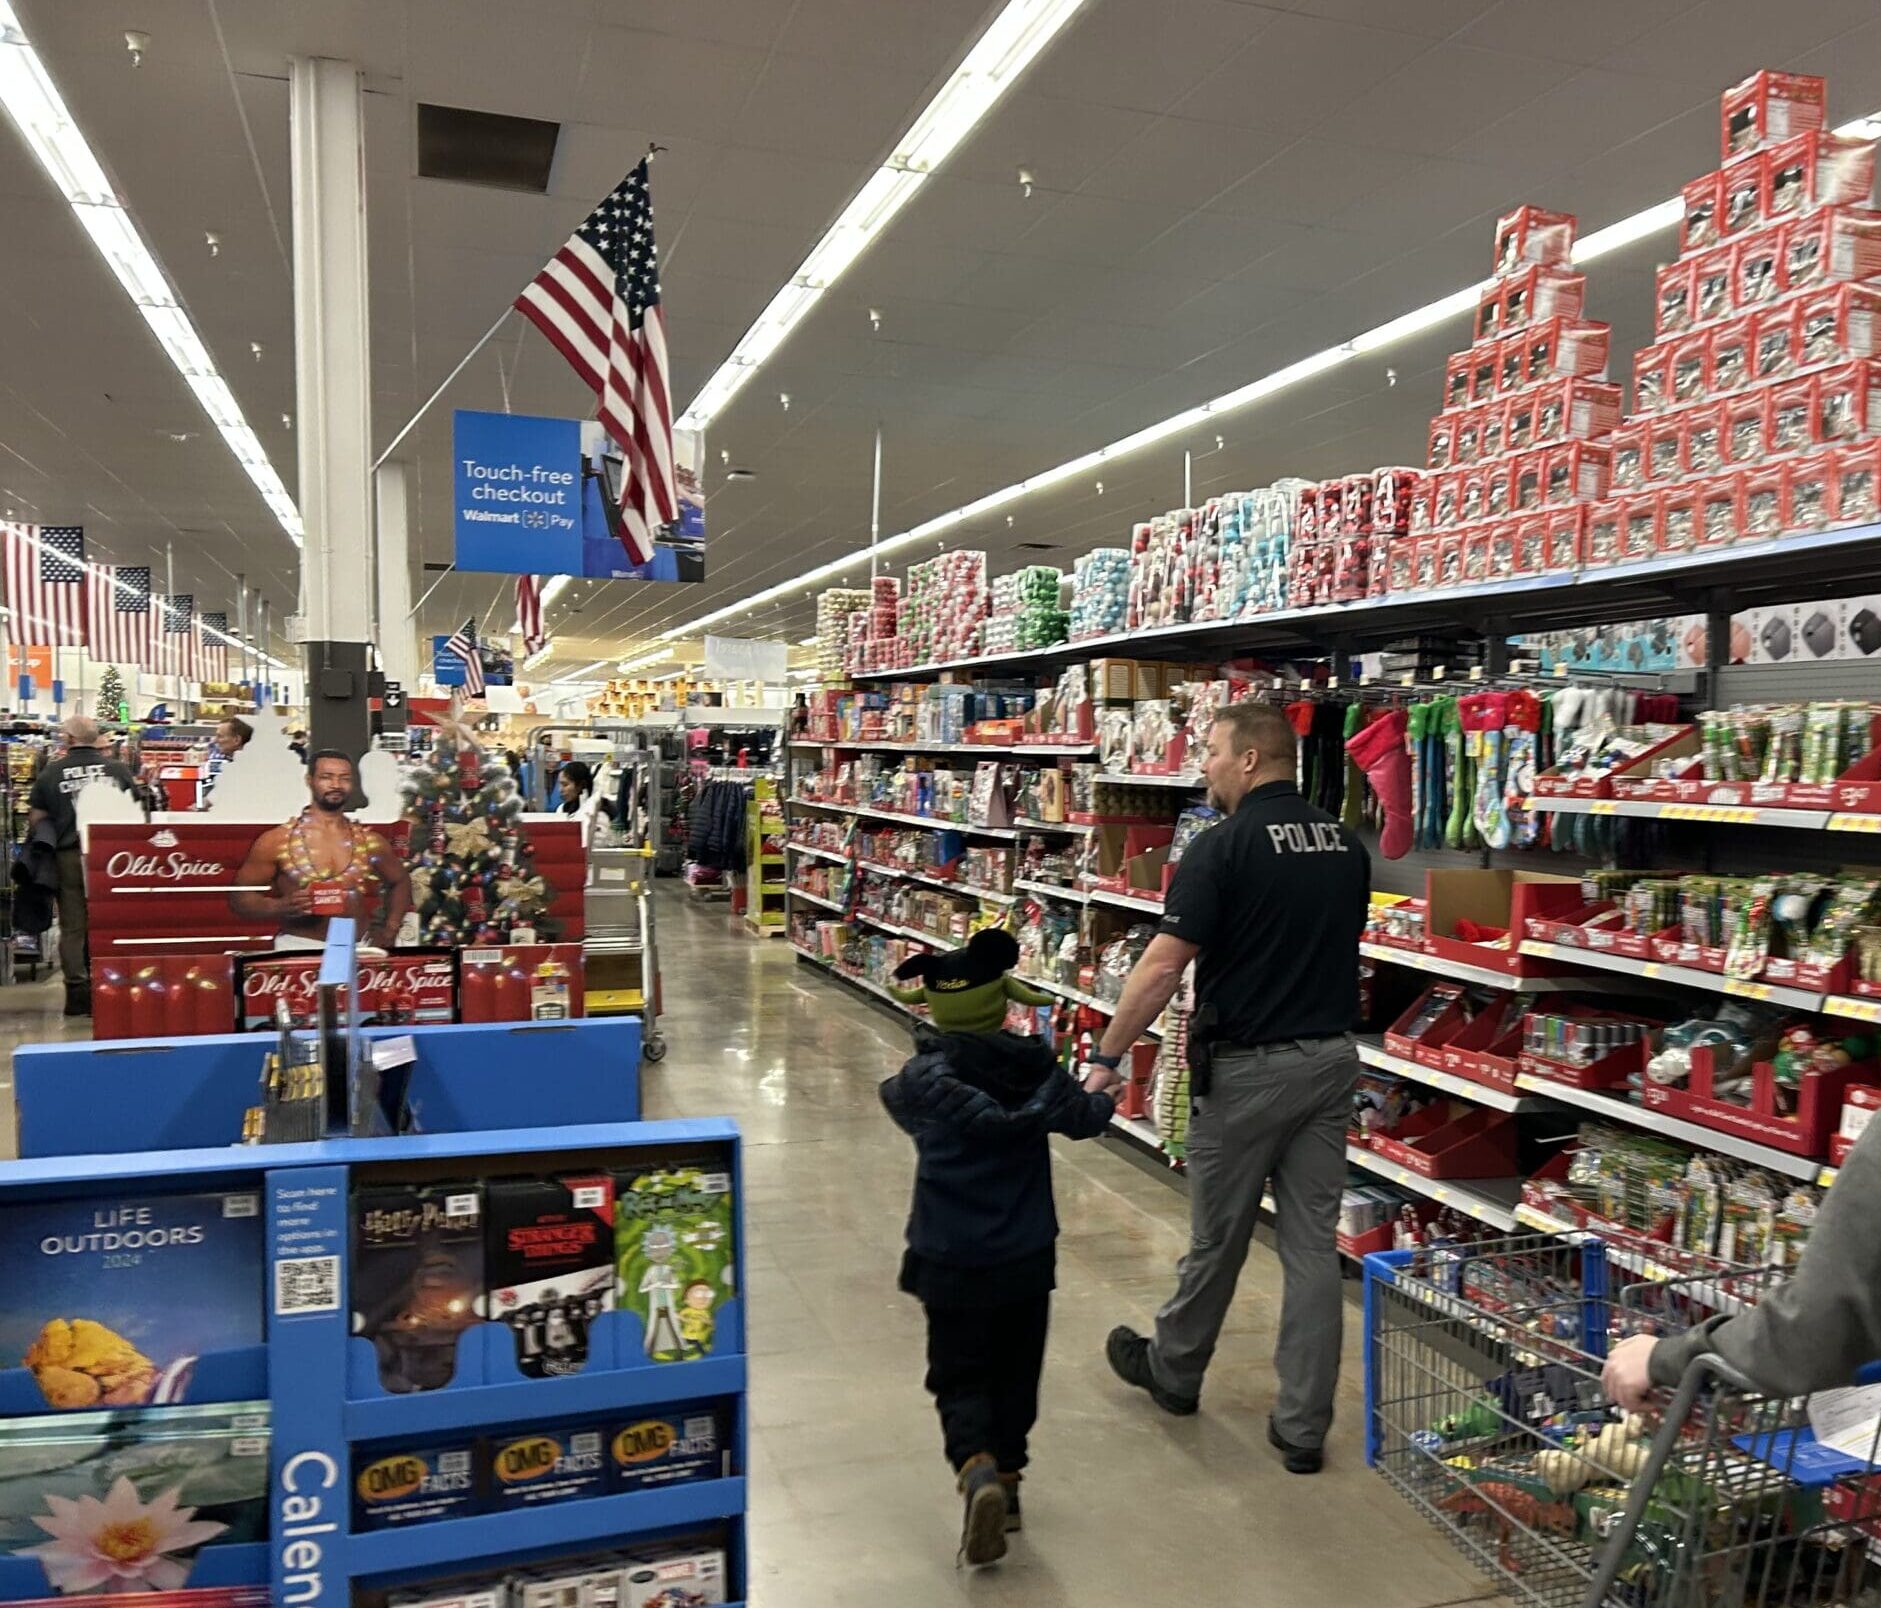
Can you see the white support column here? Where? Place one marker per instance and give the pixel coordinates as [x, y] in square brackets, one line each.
[398, 632]
[333, 370]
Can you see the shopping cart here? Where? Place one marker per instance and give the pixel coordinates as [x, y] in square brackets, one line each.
[1484, 1408]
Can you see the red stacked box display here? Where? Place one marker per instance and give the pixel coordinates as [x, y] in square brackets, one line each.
[1762, 374]
[1522, 445]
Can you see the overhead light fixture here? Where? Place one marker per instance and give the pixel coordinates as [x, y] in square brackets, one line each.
[645, 662]
[1602, 242]
[39, 112]
[1021, 30]
[810, 641]
[576, 675]
[546, 651]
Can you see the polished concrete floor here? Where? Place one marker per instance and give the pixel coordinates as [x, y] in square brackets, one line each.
[852, 1504]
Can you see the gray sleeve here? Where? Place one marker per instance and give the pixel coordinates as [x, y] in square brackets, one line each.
[1822, 1324]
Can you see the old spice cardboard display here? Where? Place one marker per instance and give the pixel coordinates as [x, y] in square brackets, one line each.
[406, 986]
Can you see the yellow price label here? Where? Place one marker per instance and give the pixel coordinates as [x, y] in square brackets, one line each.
[1561, 669]
[1745, 990]
[1651, 968]
[1826, 1177]
[1476, 672]
[1855, 823]
[1408, 679]
[1862, 1010]
[1440, 1193]
[1604, 806]
[1442, 671]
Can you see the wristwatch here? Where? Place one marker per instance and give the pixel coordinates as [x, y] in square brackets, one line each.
[1109, 1062]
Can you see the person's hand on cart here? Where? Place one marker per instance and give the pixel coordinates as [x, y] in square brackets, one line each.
[1627, 1378]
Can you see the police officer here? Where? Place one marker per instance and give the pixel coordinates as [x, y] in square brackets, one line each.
[1270, 906]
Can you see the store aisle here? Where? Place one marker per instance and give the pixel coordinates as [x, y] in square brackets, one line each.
[851, 1502]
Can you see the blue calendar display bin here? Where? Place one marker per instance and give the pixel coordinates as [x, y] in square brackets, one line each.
[321, 1380]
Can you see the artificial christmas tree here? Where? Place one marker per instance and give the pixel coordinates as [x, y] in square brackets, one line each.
[473, 879]
[111, 695]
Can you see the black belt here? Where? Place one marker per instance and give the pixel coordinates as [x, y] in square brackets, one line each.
[1233, 1047]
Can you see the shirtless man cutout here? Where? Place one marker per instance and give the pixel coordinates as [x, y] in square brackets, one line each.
[321, 864]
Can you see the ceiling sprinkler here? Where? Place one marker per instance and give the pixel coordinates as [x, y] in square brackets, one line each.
[784, 397]
[213, 241]
[136, 43]
[875, 319]
[1026, 182]
[255, 347]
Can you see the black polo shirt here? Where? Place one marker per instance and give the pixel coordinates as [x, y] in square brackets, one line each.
[1275, 897]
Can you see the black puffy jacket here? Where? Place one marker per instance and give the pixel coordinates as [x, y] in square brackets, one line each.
[980, 1107]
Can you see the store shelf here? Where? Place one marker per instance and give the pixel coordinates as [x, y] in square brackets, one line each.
[1685, 976]
[1632, 1258]
[1488, 1200]
[1777, 569]
[456, 1542]
[1137, 779]
[933, 940]
[1604, 1104]
[868, 812]
[836, 856]
[1711, 814]
[815, 898]
[1051, 890]
[1843, 821]
[1858, 1010]
[1127, 901]
[1141, 1132]
[1458, 972]
[1376, 1055]
[600, 1390]
[902, 874]
[979, 750]
[1028, 823]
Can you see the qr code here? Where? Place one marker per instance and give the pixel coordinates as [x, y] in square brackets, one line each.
[307, 1284]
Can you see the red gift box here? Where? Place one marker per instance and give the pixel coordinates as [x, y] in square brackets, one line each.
[1496, 482]
[1440, 451]
[1774, 347]
[1848, 402]
[1691, 368]
[1745, 419]
[1424, 563]
[1806, 492]
[1757, 268]
[1488, 324]
[1531, 544]
[1838, 323]
[1817, 169]
[1731, 343]
[1531, 235]
[1472, 495]
[1701, 450]
[1652, 379]
[1456, 380]
[1768, 108]
[1742, 196]
[1712, 284]
[1564, 527]
[1503, 536]
[1565, 348]
[1420, 513]
[1506, 360]
[1760, 510]
[1450, 558]
[1792, 419]
[1476, 555]
[1672, 303]
[1466, 445]
[1850, 242]
[1639, 525]
[1719, 498]
[1665, 448]
[1495, 414]
[1541, 291]
[1628, 443]
[1678, 519]
[1446, 499]
[1530, 477]
[1518, 430]
[1855, 485]
[1589, 409]
[1600, 537]
[1577, 472]
[1698, 227]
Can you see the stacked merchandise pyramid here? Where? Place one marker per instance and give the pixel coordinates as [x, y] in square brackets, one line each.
[1755, 407]
[1520, 453]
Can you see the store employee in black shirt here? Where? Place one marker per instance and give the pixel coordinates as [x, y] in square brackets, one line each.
[1269, 905]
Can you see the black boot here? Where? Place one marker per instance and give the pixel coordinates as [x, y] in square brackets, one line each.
[1128, 1354]
[1298, 1459]
[78, 998]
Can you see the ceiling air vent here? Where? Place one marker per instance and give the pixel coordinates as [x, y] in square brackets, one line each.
[508, 153]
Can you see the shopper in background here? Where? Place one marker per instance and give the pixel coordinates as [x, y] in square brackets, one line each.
[575, 784]
[981, 1104]
[1813, 1331]
[231, 737]
[1269, 905]
[53, 800]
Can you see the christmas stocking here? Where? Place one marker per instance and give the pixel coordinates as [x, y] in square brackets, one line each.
[1522, 735]
[1456, 762]
[1379, 751]
[1352, 807]
[1414, 739]
[1482, 715]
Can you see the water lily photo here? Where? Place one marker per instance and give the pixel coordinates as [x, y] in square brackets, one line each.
[121, 1543]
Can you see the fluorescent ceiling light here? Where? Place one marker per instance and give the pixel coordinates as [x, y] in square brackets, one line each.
[39, 112]
[1021, 30]
[576, 675]
[1600, 243]
[645, 662]
[546, 651]
[810, 641]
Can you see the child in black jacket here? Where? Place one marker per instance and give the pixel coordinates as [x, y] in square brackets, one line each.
[980, 1104]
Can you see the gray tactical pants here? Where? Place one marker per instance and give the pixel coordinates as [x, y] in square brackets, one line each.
[1274, 1116]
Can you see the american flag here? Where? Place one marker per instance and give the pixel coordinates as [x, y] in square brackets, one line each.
[46, 585]
[598, 301]
[529, 613]
[463, 643]
[120, 614]
[214, 632]
[180, 647]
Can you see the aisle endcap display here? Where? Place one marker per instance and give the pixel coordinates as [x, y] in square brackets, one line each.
[145, 1094]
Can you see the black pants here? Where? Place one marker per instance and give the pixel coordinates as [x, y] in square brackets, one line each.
[983, 1366]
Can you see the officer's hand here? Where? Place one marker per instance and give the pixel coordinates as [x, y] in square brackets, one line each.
[1102, 1079]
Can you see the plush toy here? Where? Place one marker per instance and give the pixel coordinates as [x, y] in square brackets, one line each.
[967, 990]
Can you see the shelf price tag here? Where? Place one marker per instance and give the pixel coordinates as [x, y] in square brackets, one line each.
[1744, 990]
[1604, 806]
[1854, 823]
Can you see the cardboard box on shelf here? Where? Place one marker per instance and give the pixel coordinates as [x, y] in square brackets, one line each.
[1113, 680]
[1804, 1131]
[1475, 915]
[1768, 108]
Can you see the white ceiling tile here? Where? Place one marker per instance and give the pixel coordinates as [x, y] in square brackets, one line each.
[1446, 96]
[1314, 178]
[1184, 163]
[792, 109]
[1301, 71]
[1061, 141]
[1145, 54]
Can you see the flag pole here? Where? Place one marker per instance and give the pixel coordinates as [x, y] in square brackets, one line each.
[412, 423]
